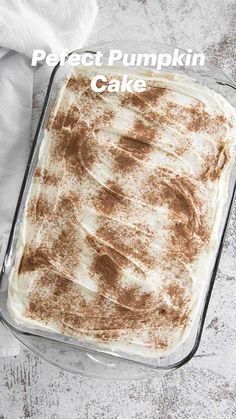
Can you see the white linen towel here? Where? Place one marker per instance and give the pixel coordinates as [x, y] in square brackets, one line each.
[25, 25]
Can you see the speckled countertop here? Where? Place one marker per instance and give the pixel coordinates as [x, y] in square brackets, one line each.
[206, 387]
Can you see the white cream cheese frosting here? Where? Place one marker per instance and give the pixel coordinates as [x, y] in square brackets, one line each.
[120, 227]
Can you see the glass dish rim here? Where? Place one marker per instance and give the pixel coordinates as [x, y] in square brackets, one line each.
[209, 289]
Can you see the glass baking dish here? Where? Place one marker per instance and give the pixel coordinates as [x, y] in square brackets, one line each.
[67, 352]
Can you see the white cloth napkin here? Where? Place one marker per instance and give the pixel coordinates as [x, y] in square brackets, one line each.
[25, 25]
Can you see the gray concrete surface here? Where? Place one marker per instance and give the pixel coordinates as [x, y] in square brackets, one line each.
[206, 387]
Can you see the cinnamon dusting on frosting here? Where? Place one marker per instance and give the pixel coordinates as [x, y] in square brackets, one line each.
[109, 198]
[77, 83]
[33, 259]
[214, 165]
[138, 141]
[45, 176]
[145, 99]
